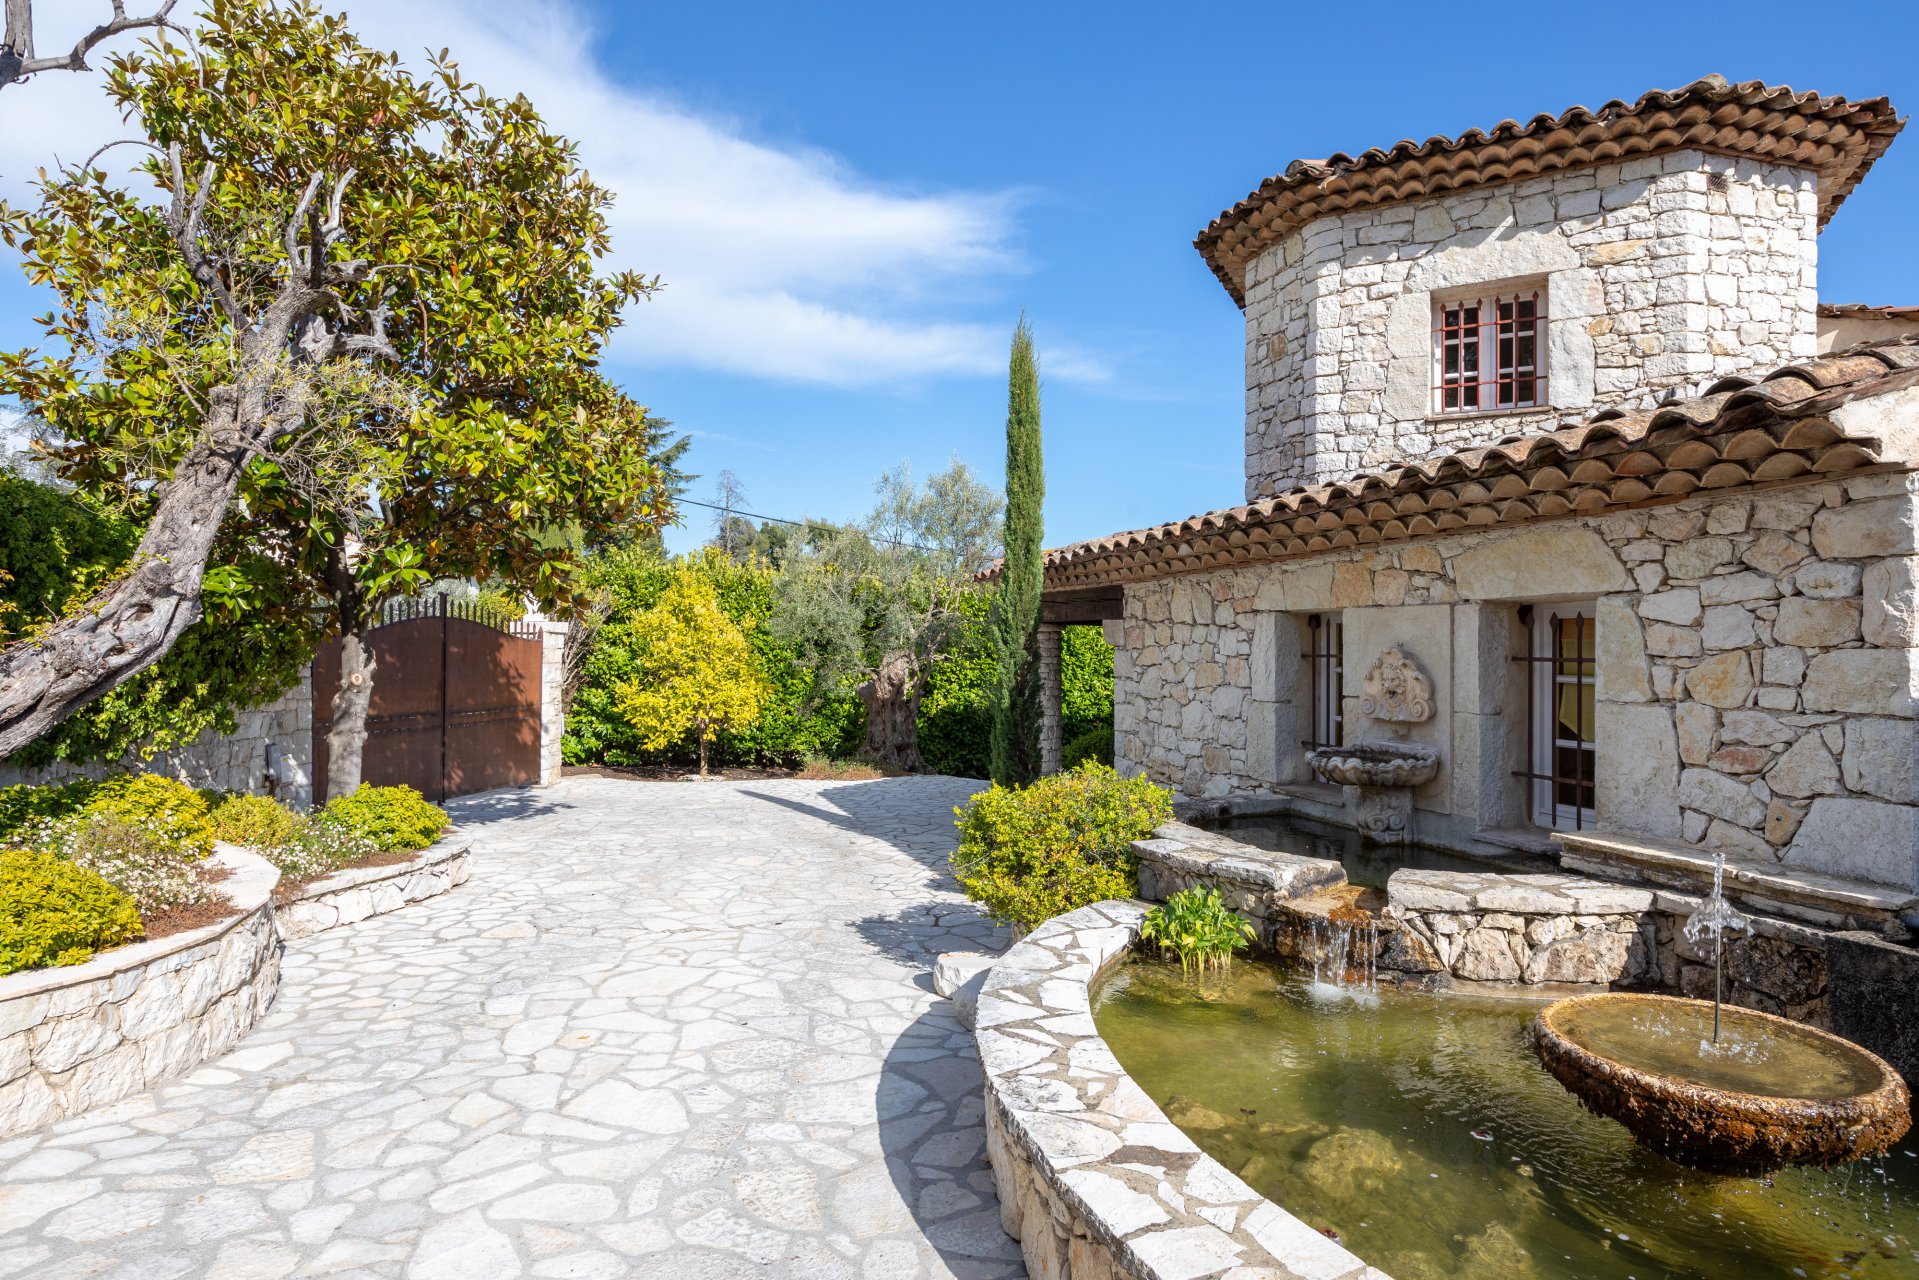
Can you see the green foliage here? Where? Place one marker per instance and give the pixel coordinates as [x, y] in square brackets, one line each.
[1016, 699]
[137, 856]
[26, 805]
[799, 720]
[172, 811]
[316, 845]
[257, 822]
[56, 549]
[695, 671]
[55, 913]
[1095, 745]
[1086, 681]
[390, 817]
[956, 711]
[1195, 926]
[1030, 853]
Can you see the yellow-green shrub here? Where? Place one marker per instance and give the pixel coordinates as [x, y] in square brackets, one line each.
[258, 822]
[1029, 853]
[54, 913]
[25, 804]
[172, 811]
[391, 817]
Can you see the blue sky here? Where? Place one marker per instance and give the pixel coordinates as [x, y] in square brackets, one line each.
[853, 203]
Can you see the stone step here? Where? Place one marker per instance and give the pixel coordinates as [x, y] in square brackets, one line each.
[1810, 896]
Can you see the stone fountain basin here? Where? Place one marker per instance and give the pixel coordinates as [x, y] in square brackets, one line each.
[1862, 1106]
[1375, 764]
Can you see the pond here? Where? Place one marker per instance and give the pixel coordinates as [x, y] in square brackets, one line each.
[1422, 1131]
[1367, 865]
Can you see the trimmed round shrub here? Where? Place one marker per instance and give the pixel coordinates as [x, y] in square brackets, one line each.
[172, 811]
[258, 822]
[1095, 745]
[54, 913]
[1027, 854]
[391, 817]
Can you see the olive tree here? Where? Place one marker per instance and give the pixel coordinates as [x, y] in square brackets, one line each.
[878, 604]
[365, 304]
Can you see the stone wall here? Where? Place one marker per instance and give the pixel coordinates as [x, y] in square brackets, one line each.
[270, 752]
[1528, 929]
[77, 1038]
[352, 895]
[1758, 679]
[1660, 273]
[552, 697]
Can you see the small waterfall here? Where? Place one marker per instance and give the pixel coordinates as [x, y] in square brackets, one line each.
[1345, 954]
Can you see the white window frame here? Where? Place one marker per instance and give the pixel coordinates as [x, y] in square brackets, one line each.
[1481, 342]
[1549, 677]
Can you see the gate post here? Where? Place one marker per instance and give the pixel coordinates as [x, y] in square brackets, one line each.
[552, 685]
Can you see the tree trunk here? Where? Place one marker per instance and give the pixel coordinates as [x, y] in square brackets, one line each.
[130, 625]
[346, 735]
[892, 698]
[702, 730]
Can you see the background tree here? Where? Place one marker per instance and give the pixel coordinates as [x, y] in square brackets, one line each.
[879, 605]
[1016, 704]
[694, 670]
[373, 310]
[17, 58]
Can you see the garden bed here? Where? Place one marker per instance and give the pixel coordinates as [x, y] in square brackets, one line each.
[375, 886]
[81, 1036]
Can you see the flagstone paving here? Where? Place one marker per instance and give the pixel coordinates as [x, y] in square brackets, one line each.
[666, 1030]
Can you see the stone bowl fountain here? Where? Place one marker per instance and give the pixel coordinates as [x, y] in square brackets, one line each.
[1751, 1096]
[1385, 773]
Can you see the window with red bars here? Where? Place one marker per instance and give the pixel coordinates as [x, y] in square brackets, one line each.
[1489, 352]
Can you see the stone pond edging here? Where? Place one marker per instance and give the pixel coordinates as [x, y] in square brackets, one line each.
[79, 1037]
[1252, 881]
[1094, 1181]
[356, 893]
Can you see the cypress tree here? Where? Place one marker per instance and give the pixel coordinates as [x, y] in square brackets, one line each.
[1016, 704]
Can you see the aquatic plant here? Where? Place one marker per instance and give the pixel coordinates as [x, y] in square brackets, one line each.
[1196, 926]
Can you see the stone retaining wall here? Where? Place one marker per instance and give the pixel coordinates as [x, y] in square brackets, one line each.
[1527, 928]
[1254, 882]
[1094, 1181]
[72, 1039]
[359, 892]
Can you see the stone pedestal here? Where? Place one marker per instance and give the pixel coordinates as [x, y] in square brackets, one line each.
[1384, 815]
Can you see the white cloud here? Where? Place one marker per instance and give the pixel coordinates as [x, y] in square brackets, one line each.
[780, 261]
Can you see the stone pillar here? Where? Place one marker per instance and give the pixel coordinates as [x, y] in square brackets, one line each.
[552, 680]
[1052, 746]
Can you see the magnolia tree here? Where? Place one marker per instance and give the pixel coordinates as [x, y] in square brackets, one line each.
[19, 59]
[367, 305]
[878, 604]
[694, 669]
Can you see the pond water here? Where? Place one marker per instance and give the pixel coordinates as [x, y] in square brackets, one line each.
[1421, 1129]
[1367, 865]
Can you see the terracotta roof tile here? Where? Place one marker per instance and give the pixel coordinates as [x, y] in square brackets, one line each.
[1832, 136]
[1741, 431]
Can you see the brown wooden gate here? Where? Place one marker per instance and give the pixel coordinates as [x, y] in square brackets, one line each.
[456, 700]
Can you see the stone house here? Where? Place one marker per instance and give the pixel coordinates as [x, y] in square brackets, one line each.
[1547, 425]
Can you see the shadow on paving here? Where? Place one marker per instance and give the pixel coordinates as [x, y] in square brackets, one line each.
[933, 1139]
[877, 810]
[505, 803]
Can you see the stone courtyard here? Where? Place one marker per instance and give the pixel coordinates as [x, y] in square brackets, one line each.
[666, 1030]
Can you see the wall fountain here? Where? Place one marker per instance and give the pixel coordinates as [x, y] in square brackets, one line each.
[1728, 1090]
[1394, 691]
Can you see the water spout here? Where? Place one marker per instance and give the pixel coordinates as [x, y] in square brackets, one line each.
[1714, 920]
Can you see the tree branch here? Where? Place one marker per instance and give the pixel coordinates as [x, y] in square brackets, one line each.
[17, 60]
